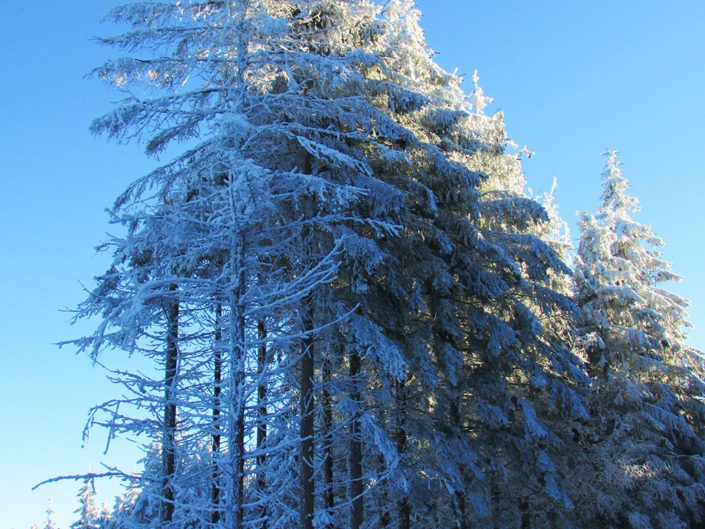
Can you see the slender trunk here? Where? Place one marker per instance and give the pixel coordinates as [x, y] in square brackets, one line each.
[459, 495]
[235, 513]
[329, 493]
[356, 488]
[401, 438]
[169, 434]
[385, 516]
[238, 434]
[236, 420]
[261, 416]
[215, 440]
[306, 405]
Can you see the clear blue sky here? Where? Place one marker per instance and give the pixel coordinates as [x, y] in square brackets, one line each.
[573, 78]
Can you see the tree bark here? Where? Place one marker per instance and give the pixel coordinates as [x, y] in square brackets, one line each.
[235, 512]
[238, 447]
[215, 440]
[306, 406]
[169, 435]
[329, 493]
[401, 439]
[459, 495]
[385, 517]
[261, 416]
[356, 485]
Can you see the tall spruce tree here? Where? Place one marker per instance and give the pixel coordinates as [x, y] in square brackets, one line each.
[647, 433]
[526, 383]
[341, 278]
[248, 219]
[468, 288]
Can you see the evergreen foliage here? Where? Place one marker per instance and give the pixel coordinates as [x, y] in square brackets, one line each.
[89, 516]
[343, 308]
[647, 429]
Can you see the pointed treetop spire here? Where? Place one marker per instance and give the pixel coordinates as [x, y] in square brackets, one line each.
[50, 515]
[616, 204]
[478, 98]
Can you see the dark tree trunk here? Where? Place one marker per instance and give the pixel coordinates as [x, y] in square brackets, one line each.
[239, 419]
[385, 516]
[401, 438]
[306, 405]
[261, 416]
[215, 439]
[329, 493]
[235, 512]
[169, 435]
[356, 488]
[459, 495]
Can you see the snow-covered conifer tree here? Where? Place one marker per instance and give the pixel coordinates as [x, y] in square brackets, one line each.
[647, 439]
[482, 274]
[339, 278]
[50, 524]
[530, 375]
[88, 511]
[249, 219]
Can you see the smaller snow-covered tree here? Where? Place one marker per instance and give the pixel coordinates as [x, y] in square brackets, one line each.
[49, 524]
[617, 270]
[647, 433]
[89, 514]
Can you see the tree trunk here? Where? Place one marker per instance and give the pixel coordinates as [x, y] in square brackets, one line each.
[239, 448]
[306, 404]
[400, 438]
[356, 488]
[261, 416]
[306, 428]
[385, 516]
[329, 493]
[169, 434]
[236, 441]
[459, 495]
[215, 439]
